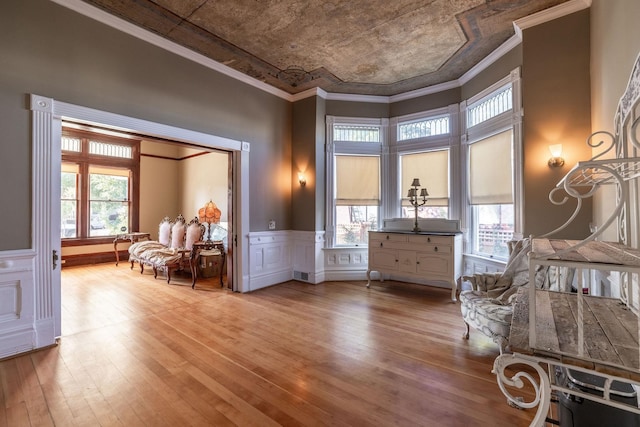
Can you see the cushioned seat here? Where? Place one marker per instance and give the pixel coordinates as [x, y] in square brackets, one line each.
[493, 320]
[172, 251]
[488, 306]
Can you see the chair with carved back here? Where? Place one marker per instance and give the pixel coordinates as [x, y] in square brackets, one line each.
[178, 256]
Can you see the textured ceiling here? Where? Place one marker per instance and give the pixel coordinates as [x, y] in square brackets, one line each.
[370, 47]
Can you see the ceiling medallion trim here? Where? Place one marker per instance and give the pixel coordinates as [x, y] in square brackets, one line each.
[294, 75]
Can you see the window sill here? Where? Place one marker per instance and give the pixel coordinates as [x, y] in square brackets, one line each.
[486, 259]
[87, 241]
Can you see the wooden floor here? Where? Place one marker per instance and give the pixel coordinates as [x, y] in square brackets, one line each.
[136, 351]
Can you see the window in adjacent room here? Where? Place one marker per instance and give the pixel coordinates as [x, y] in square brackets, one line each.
[99, 185]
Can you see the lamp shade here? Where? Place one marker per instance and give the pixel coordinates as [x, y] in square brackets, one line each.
[556, 150]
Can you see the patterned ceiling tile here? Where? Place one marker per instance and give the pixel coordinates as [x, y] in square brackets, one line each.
[357, 46]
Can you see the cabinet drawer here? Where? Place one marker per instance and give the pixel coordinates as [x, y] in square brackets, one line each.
[430, 239]
[436, 249]
[387, 237]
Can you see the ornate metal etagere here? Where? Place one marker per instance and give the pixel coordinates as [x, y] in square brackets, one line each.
[547, 342]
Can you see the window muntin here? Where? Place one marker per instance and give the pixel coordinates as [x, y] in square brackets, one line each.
[71, 144]
[99, 177]
[490, 106]
[432, 169]
[356, 133]
[423, 128]
[100, 148]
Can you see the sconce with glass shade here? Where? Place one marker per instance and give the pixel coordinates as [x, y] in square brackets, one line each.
[556, 159]
[302, 179]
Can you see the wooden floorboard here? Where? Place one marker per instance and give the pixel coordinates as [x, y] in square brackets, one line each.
[136, 351]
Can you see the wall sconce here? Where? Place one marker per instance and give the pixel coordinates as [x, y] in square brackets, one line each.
[556, 159]
[301, 179]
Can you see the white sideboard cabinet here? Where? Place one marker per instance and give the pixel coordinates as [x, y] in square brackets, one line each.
[423, 256]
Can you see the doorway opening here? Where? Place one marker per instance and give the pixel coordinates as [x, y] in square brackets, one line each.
[118, 184]
[48, 116]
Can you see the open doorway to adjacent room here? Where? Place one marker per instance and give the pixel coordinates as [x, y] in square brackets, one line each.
[121, 182]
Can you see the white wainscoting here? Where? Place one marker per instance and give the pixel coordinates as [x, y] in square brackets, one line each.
[17, 302]
[269, 258]
[346, 263]
[278, 256]
[308, 256]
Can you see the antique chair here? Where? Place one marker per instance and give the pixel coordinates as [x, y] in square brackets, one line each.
[488, 306]
[138, 252]
[177, 257]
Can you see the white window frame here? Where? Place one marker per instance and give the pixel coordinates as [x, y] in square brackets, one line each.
[450, 141]
[353, 148]
[511, 119]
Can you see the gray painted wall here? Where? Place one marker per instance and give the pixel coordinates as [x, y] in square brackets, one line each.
[557, 109]
[49, 50]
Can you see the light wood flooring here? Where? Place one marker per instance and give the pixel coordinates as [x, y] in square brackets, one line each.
[138, 352]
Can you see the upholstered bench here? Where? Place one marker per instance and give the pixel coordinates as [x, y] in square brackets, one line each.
[173, 249]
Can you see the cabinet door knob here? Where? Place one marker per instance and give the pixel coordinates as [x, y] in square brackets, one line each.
[429, 239]
[417, 262]
[436, 249]
[387, 237]
[381, 244]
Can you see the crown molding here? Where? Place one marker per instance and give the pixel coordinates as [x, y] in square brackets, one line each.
[452, 84]
[373, 99]
[314, 91]
[93, 12]
[502, 50]
[550, 14]
[156, 40]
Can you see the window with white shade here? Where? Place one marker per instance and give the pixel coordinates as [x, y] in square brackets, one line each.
[354, 179]
[491, 193]
[357, 199]
[493, 169]
[432, 169]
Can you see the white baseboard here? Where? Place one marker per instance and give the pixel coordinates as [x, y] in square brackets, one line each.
[16, 342]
